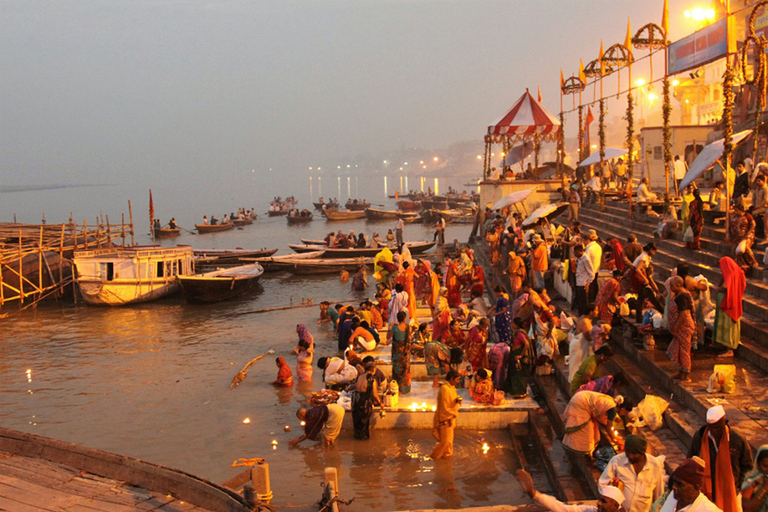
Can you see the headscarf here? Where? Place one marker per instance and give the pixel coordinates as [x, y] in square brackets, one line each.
[304, 334]
[284, 374]
[618, 255]
[735, 282]
[756, 474]
[691, 471]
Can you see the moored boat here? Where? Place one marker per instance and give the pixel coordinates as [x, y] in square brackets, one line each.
[409, 217]
[375, 214]
[340, 215]
[166, 232]
[407, 205]
[310, 241]
[213, 228]
[126, 275]
[330, 252]
[228, 256]
[274, 263]
[301, 265]
[221, 284]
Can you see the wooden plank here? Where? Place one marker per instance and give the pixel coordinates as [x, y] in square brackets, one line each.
[18, 506]
[36, 495]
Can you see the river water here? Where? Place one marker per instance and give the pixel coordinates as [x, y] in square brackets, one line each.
[152, 381]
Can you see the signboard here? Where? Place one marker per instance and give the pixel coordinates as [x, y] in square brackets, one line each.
[761, 23]
[699, 48]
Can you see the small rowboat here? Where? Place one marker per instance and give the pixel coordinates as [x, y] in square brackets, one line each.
[339, 215]
[212, 228]
[357, 206]
[220, 284]
[434, 204]
[408, 205]
[310, 241]
[374, 214]
[299, 219]
[242, 222]
[228, 256]
[330, 252]
[302, 266]
[167, 232]
[274, 263]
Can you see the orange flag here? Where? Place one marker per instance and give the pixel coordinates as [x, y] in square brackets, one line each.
[665, 20]
[562, 80]
[600, 58]
[628, 40]
[582, 76]
[539, 93]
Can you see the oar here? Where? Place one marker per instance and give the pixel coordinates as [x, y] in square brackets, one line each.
[288, 307]
[188, 231]
[242, 373]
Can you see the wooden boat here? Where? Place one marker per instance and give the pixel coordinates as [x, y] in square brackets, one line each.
[434, 204]
[310, 241]
[213, 228]
[126, 275]
[245, 221]
[409, 217]
[407, 205]
[330, 252]
[221, 284]
[339, 215]
[374, 214]
[166, 232]
[303, 266]
[331, 205]
[297, 218]
[357, 205]
[228, 256]
[274, 263]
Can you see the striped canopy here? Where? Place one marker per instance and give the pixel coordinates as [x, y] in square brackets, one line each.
[524, 120]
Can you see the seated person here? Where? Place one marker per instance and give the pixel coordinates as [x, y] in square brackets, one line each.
[644, 194]
[481, 387]
[336, 371]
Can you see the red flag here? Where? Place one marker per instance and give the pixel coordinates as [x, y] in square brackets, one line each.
[151, 211]
[587, 122]
[590, 117]
[539, 93]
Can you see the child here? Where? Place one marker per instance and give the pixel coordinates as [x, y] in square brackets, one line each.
[284, 374]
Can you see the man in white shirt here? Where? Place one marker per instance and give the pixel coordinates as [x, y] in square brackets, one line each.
[585, 274]
[478, 303]
[686, 496]
[643, 193]
[594, 252]
[640, 474]
[680, 170]
[610, 500]
[399, 232]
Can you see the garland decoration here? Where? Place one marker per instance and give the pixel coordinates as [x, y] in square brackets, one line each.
[727, 132]
[758, 80]
[666, 111]
[630, 141]
[561, 147]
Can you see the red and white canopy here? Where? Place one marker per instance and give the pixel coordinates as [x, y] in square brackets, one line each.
[525, 119]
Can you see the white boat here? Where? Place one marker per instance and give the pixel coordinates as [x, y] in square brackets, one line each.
[126, 275]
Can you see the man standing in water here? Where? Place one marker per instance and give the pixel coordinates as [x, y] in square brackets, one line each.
[448, 403]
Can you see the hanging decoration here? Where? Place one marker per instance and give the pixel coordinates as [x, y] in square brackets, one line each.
[630, 142]
[758, 80]
[727, 135]
[666, 111]
[601, 134]
[561, 147]
[581, 133]
[652, 37]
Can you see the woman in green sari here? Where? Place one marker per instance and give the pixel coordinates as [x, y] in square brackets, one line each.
[521, 360]
[754, 488]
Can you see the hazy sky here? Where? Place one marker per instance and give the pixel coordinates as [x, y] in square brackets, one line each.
[116, 91]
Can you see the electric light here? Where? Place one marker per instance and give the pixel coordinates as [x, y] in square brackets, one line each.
[639, 82]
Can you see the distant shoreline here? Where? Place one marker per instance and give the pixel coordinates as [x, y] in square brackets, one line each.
[32, 188]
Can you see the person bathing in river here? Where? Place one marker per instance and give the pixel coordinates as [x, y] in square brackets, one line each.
[323, 419]
[284, 374]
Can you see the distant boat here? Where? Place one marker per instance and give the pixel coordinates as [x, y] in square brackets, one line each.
[213, 228]
[357, 205]
[409, 217]
[297, 217]
[166, 232]
[126, 275]
[340, 215]
[302, 265]
[222, 284]
[330, 205]
[310, 241]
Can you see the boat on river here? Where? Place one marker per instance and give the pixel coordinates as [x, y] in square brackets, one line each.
[126, 275]
[300, 264]
[220, 284]
[357, 205]
[330, 205]
[245, 221]
[375, 214]
[407, 205]
[166, 232]
[331, 214]
[228, 256]
[331, 252]
[275, 263]
[213, 228]
[299, 217]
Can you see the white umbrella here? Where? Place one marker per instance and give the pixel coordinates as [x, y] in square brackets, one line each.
[708, 156]
[513, 198]
[594, 158]
[517, 153]
[548, 212]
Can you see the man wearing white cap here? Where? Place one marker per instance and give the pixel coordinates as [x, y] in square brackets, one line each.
[611, 498]
[726, 457]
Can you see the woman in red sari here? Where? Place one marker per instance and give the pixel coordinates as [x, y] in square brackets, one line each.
[284, 374]
[476, 345]
[452, 283]
[618, 255]
[695, 219]
[608, 298]
[682, 327]
[478, 280]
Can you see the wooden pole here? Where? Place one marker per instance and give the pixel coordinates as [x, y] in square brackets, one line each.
[21, 272]
[85, 233]
[40, 262]
[61, 261]
[130, 214]
[122, 228]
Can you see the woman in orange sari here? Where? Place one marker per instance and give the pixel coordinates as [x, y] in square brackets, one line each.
[607, 298]
[452, 283]
[408, 277]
